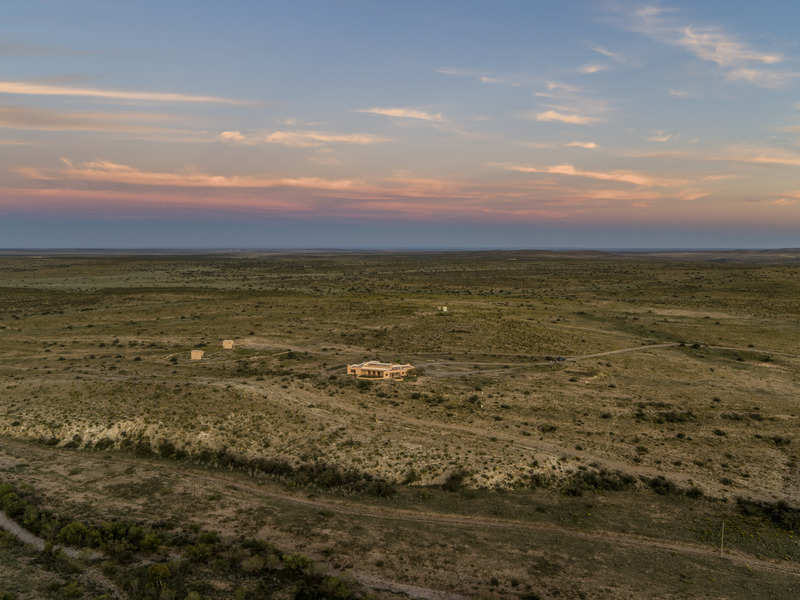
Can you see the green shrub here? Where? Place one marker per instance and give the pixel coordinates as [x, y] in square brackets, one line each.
[199, 553]
[79, 534]
[296, 563]
[151, 542]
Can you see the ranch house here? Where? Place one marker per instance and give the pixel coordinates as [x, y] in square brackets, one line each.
[380, 370]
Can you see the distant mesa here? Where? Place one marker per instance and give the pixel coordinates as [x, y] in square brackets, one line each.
[379, 370]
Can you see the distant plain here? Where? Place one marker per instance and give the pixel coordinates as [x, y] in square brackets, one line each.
[582, 423]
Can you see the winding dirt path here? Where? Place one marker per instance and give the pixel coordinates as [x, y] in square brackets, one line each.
[89, 574]
[28, 538]
[506, 367]
[422, 517]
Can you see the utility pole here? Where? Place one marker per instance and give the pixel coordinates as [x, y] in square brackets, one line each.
[722, 540]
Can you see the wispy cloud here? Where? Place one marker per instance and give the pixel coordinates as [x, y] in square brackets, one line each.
[615, 56]
[572, 104]
[510, 79]
[614, 194]
[741, 154]
[593, 68]
[761, 78]
[405, 113]
[587, 145]
[662, 136]
[560, 90]
[738, 59]
[296, 122]
[717, 46]
[110, 172]
[112, 189]
[574, 119]
[39, 89]
[623, 176]
[105, 186]
[300, 139]
[784, 201]
[720, 177]
[756, 155]
[456, 72]
[25, 117]
[788, 198]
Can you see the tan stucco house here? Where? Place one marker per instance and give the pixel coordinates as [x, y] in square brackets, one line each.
[380, 370]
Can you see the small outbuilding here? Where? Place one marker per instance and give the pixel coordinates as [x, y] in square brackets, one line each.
[227, 344]
[197, 354]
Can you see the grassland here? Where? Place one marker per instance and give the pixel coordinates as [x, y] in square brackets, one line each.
[582, 425]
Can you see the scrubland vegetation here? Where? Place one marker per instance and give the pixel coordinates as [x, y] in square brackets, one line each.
[582, 424]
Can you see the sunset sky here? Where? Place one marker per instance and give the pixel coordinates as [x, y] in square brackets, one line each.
[382, 124]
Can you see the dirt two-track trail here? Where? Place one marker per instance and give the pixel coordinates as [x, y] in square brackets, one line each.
[205, 479]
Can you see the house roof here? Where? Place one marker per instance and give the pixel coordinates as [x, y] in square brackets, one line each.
[381, 366]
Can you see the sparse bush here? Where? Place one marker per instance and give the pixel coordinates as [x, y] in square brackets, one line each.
[675, 417]
[411, 477]
[199, 553]
[780, 513]
[694, 492]
[602, 480]
[103, 443]
[455, 481]
[662, 486]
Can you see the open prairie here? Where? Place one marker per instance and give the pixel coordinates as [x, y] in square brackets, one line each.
[581, 425]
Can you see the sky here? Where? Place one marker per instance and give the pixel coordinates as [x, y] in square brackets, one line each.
[387, 124]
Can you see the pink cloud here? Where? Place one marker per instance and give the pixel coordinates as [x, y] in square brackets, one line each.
[37, 89]
[405, 113]
[623, 176]
[301, 139]
[574, 119]
[107, 171]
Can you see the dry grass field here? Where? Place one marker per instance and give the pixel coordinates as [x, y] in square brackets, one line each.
[581, 426]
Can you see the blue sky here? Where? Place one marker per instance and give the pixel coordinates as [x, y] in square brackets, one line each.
[388, 124]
